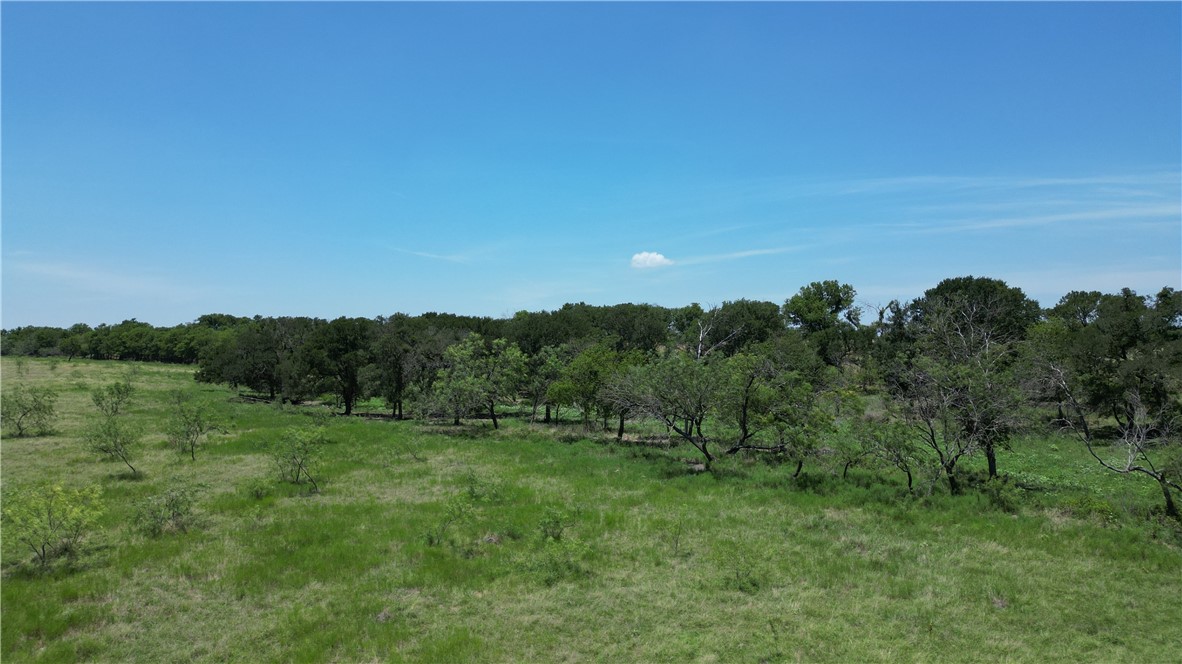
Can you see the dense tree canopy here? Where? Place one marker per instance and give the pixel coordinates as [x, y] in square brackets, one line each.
[957, 371]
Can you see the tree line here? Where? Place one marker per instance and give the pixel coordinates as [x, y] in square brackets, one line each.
[953, 374]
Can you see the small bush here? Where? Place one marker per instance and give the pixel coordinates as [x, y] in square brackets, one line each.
[189, 424]
[555, 561]
[554, 523]
[168, 512]
[297, 455]
[482, 490]
[258, 489]
[455, 512]
[50, 520]
[1090, 506]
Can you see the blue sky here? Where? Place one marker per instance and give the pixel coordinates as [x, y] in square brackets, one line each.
[161, 161]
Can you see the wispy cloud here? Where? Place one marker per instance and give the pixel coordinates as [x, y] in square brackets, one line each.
[1144, 183]
[451, 258]
[1145, 212]
[737, 255]
[99, 281]
[649, 259]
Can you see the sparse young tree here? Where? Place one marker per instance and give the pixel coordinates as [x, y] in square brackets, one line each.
[189, 424]
[28, 409]
[112, 434]
[297, 454]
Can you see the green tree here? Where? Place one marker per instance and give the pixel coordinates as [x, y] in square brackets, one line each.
[388, 375]
[337, 352]
[189, 424]
[1123, 362]
[955, 380]
[28, 409]
[584, 377]
[50, 520]
[479, 374]
[771, 396]
[825, 313]
[679, 391]
[112, 434]
[543, 370]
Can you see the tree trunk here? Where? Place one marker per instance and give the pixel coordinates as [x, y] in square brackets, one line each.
[953, 483]
[908, 471]
[457, 420]
[799, 467]
[620, 431]
[991, 456]
[492, 411]
[1171, 508]
[547, 420]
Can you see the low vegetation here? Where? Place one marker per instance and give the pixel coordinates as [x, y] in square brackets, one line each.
[425, 540]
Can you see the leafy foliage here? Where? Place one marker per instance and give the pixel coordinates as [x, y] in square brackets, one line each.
[296, 454]
[113, 434]
[167, 512]
[29, 409]
[50, 520]
[189, 425]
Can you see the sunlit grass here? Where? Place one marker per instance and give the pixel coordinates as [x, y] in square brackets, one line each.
[431, 543]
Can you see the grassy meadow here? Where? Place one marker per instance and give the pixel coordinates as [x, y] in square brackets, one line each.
[429, 542]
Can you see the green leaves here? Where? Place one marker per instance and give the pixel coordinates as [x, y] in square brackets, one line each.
[112, 434]
[52, 521]
[296, 454]
[28, 409]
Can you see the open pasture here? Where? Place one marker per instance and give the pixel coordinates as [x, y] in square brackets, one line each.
[429, 542]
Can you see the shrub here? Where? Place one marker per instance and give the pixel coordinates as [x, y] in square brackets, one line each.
[258, 489]
[50, 520]
[168, 512]
[297, 454]
[554, 523]
[556, 561]
[457, 510]
[189, 424]
[28, 409]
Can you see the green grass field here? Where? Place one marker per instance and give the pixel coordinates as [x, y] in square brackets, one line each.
[435, 543]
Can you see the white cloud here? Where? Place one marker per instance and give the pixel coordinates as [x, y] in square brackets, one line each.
[647, 259]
